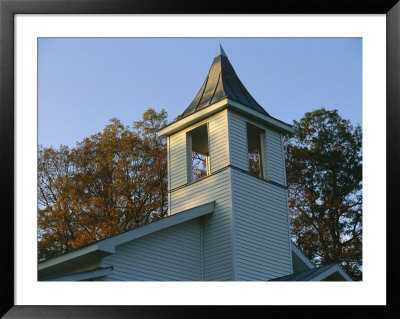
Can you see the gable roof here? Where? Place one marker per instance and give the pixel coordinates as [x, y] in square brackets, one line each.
[93, 252]
[222, 82]
[299, 260]
[317, 274]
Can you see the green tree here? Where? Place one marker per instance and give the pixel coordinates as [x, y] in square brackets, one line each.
[110, 182]
[324, 176]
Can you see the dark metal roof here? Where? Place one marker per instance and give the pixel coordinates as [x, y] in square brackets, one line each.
[307, 275]
[222, 82]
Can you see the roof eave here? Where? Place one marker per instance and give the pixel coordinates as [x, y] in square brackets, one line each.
[301, 256]
[335, 268]
[193, 118]
[85, 275]
[317, 274]
[75, 254]
[265, 119]
[217, 107]
[107, 246]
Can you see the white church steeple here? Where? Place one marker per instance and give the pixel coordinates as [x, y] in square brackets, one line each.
[226, 148]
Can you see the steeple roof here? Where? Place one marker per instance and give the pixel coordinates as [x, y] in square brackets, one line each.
[222, 82]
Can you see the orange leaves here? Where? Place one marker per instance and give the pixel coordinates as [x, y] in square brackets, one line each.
[110, 182]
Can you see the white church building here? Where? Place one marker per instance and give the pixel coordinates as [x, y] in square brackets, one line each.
[228, 217]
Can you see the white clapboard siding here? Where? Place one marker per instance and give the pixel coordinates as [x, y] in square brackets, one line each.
[261, 230]
[216, 227]
[218, 148]
[171, 254]
[275, 157]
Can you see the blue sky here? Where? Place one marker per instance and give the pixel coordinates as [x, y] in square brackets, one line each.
[84, 82]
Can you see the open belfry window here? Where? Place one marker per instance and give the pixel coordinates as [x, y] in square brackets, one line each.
[198, 153]
[256, 150]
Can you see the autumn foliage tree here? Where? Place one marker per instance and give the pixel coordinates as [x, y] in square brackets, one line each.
[110, 182]
[324, 176]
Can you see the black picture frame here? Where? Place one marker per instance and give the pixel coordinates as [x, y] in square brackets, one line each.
[8, 8]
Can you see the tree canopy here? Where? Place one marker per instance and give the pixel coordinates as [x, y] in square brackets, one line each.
[324, 177]
[110, 182]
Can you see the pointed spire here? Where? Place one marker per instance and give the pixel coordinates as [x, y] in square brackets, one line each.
[222, 82]
[220, 51]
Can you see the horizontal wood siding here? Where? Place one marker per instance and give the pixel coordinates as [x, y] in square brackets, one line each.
[171, 254]
[261, 230]
[218, 148]
[216, 227]
[275, 157]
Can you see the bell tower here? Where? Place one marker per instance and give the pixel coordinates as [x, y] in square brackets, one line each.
[226, 148]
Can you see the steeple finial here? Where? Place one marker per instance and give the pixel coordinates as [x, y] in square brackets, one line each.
[220, 51]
